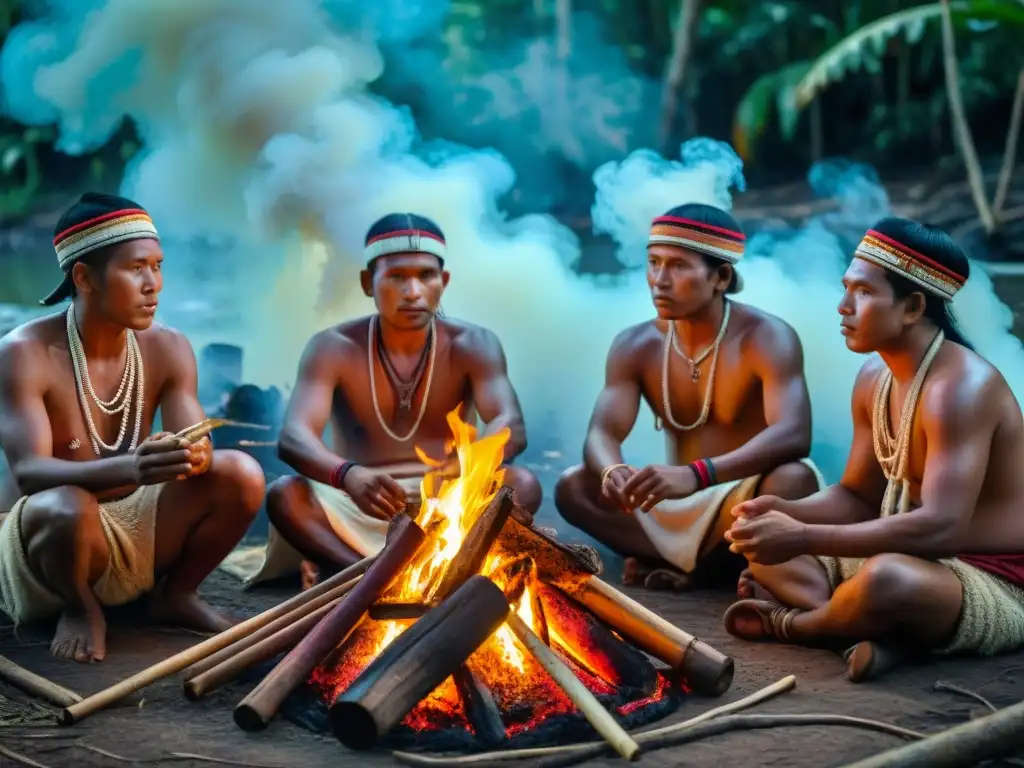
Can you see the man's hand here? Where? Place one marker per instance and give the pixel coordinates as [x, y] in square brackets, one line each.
[656, 483]
[160, 458]
[200, 456]
[756, 507]
[376, 493]
[768, 539]
[613, 485]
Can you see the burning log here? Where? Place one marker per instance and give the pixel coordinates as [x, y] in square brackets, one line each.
[397, 611]
[36, 685]
[189, 656]
[330, 597]
[255, 711]
[251, 654]
[477, 543]
[585, 701]
[704, 669]
[419, 660]
[593, 645]
[481, 709]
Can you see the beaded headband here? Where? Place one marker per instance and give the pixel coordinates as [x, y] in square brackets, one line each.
[906, 262]
[721, 243]
[108, 229]
[405, 241]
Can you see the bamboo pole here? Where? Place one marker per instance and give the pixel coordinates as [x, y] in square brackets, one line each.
[36, 685]
[588, 705]
[179, 661]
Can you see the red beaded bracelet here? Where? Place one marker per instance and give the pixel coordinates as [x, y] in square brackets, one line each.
[705, 472]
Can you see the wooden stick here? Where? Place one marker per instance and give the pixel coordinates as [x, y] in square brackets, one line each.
[267, 648]
[585, 701]
[198, 431]
[481, 709]
[704, 669]
[738, 723]
[784, 685]
[269, 630]
[470, 557]
[418, 661]
[36, 685]
[967, 744]
[256, 710]
[179, 661]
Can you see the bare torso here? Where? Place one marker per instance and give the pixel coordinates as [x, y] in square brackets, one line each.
[997, 524]
[48, 342]
[737, 404]
[356, 431]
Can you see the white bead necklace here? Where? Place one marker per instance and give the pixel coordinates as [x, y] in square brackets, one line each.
[893, 452]
[370, 347]
[133, 385]
[670, 343]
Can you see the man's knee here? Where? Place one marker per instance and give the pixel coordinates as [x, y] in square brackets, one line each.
[526, 485]
[790, 481]
[61, 522]
[288, 498]
[891, 582]
[240, 476]
[570, 492]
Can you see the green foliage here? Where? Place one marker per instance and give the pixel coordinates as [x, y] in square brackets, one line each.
[751, 118]
[865, 48]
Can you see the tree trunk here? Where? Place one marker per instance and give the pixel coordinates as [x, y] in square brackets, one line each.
[682, 45]
[961, 129]
[817, 131]
[1010, 153]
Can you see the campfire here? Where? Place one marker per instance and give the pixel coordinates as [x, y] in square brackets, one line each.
[469, 630]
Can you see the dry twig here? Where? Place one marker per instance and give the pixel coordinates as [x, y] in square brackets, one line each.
[942, 685]
[21, 759]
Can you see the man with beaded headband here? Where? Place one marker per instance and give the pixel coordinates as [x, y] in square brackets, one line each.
[920, 546]
[385, 384]
[101, 511]
[726, 384]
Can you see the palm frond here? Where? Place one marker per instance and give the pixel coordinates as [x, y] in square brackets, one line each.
[864, 47]
[754, 108]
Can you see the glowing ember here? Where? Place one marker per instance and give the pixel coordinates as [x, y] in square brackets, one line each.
[523, 691]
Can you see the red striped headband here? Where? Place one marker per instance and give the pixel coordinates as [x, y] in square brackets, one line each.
[110, 228]
[719, 242]
[906, 262]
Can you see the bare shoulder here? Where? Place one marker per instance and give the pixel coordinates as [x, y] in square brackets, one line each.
[765, 336]
[331, 350]
[29, 344]
[964, 387]
[167, 341]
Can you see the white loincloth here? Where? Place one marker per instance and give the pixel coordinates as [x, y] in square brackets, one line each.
[129, 526]
[361, 532]
[678, 527]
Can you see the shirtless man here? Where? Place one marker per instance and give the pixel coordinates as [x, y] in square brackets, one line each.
[853, 563]
[726, 384]
[100, 509]
[386, 384]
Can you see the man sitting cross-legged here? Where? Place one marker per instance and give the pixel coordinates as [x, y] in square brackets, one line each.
[921, 544]
[101, 511]
[726, 383]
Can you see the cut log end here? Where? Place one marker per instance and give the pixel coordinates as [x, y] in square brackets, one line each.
[249, 719]
[354, 726]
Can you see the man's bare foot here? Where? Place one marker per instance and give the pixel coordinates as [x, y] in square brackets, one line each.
[186, 610]
[867, 660]
[759, 620]
[748, 588]
[81, 635]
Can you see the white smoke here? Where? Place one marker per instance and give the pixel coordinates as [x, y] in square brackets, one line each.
[266, 158]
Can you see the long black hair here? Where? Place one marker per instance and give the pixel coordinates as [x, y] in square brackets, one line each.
[938, 246]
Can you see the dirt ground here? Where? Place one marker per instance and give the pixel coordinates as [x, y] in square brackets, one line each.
[154, 724]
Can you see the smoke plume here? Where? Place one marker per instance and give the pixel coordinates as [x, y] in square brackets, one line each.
[266, 157]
